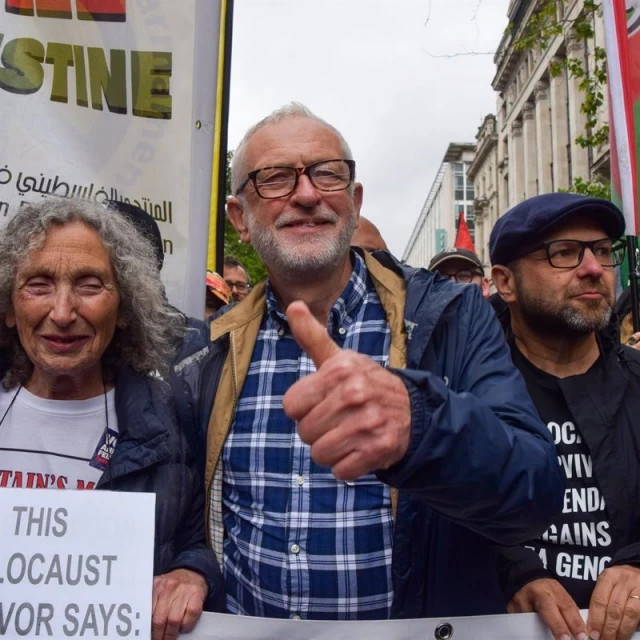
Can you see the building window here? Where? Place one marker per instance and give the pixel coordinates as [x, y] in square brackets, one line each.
[458, 181]
[470, 191]
[471, 220]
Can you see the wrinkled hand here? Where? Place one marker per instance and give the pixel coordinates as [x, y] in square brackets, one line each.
[613, 614]
[355, 415]
[178, 597]
[549, 599]
[634, 340]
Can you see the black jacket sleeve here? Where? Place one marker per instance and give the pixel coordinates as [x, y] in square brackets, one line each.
[518, 566]
[192, 550]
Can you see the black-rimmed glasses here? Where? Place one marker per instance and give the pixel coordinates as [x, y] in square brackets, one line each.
[278, 182]
[568, 254]
[242, 287]
[464, 276]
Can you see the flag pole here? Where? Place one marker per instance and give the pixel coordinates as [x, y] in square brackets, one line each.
[632, 243]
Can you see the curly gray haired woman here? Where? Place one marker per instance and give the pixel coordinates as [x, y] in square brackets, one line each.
[148, 327]
[84, 325]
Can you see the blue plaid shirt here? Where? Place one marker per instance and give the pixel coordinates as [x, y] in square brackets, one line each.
[298, 542]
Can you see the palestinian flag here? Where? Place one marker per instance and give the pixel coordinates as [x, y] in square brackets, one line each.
[622, 39]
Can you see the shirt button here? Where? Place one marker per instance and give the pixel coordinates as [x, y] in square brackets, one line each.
[299, 481]
[296, 617]
[280, 332]
[342, 331]
[295, 549]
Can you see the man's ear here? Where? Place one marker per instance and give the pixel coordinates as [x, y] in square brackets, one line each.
[505, 282]
[357, 197]
[235, 211]
[486, 287]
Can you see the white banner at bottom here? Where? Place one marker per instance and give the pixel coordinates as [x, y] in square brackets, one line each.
[525, 626]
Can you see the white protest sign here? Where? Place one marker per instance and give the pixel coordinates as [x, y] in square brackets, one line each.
[76, 564]
[526, 626]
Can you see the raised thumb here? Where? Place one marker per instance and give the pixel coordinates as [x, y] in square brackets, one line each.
[310, 335]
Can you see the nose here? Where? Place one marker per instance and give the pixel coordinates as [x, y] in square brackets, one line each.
[590, 267]
[63, 308]
[305, 194]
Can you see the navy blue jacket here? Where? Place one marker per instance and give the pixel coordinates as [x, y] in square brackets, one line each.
[481, 467]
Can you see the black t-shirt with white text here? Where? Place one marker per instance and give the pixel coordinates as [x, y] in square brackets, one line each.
[576, 547]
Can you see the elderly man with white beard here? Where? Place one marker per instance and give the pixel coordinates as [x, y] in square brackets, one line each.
[366, 434]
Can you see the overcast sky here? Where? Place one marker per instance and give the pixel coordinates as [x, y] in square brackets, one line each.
[378, 71]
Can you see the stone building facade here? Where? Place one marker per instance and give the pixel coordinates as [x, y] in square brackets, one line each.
[539, 113]
[451, 194]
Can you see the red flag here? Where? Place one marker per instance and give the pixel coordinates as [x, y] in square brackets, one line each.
[463, 237]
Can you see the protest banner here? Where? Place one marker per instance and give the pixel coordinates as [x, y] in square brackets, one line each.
[76, 563]
[115, 100]
[526, 626]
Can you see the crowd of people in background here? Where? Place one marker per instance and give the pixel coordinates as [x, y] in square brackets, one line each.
[352, 438]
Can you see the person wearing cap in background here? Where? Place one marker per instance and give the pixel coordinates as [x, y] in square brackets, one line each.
[218, 294]
[461, 266]
[553, 260]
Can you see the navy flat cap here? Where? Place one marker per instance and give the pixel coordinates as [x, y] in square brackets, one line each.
[531, 221]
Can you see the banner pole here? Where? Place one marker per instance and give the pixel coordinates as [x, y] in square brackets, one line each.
[224, 123]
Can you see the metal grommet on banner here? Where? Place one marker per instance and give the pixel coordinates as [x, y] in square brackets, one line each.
[444, 631]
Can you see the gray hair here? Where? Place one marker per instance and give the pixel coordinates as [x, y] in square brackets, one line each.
[291, 110]
[150, 329]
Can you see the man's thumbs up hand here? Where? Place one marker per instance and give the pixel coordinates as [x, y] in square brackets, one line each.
[355, 415]
[310, 334]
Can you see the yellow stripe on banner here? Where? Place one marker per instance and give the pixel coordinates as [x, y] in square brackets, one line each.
[213, 207]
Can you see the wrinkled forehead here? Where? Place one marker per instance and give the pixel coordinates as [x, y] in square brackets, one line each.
[293, 141]
[70, 245]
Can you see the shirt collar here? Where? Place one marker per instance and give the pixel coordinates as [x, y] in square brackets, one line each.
[344, 308]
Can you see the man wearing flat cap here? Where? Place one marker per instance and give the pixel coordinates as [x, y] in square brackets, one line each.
[461, 266]
[554, 259]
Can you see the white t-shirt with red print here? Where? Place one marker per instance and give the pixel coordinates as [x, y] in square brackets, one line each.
[55, 444]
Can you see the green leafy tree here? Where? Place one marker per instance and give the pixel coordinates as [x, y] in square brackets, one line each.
[233, 246]
[595, 188]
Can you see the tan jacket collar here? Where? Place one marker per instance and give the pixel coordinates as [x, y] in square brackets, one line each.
[253, 305]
